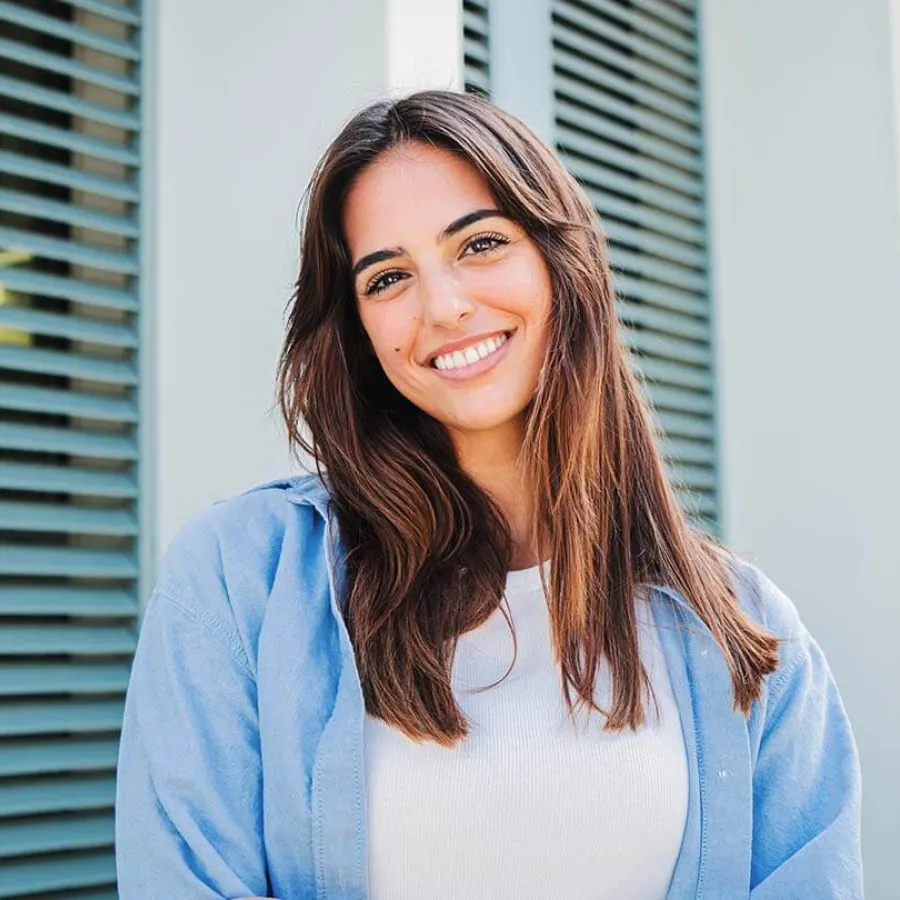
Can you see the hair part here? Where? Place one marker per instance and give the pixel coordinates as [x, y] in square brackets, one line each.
[427, 548]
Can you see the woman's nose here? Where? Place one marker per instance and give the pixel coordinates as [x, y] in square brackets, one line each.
[444, 302]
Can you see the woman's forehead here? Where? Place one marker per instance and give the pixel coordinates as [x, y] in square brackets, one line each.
[412, 185]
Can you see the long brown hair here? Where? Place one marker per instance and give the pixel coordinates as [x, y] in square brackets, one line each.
[427, 549]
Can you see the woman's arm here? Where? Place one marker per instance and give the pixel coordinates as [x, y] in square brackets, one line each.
[188, 802]
[806, 797]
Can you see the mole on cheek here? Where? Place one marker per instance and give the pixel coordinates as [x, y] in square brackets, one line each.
[396, 349]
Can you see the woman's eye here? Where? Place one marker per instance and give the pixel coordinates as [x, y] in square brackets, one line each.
[484, 243]
[384, 281]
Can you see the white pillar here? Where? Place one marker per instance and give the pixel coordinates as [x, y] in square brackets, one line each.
[424, 45]
[802, 141]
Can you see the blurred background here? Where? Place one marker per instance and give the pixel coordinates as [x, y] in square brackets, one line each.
[744, 158]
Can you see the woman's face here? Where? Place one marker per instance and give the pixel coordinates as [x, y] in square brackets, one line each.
[454, 297]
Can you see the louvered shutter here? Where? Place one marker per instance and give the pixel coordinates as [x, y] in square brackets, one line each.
[69, 439]
[627, 121]
[476, 58]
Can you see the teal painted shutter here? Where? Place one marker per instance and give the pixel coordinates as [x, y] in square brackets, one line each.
[69, 165]
[628, 125]
[475, 46]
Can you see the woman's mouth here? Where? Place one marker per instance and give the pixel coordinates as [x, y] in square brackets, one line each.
[473, 361]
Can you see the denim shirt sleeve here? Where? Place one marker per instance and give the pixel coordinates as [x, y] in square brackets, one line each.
[806, 782]
[188, 795]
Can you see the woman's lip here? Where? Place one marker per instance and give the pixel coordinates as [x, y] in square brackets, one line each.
[473, 370]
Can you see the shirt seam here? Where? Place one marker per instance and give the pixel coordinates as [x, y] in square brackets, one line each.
[213, 627]
[781, 677]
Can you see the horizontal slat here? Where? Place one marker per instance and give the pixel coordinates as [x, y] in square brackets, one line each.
[609, 206]
[76, 328]
[694, 477]
[51, 716]
[662, 371]
[69, 251]
[636, 69]
[68, 214]
[680, 400]
[628, 161]
[640, 95]
[100, 893]
[69, 140]
[67, 403]
[63, 65]
[477, 54]
[476, 24]
[37, 170]
[118, 12]
[663, 296]
[37, 875]
[67, 440]
[48, 756]
[659, 271]
[663, 321]
[44, 561]
[62, 29]
[684, 425]
[697, 502]
[634, 42]
[573, 120]
[67, 601]
[30, 640]
[81, 291]
[47, 517]
[654, 245]
[72, 365]
[632, 20]
[67, 480]
[62, 678]
[652, 195]
[594, 98]
[54, 835]
[477, 79]
[475, 20]
[67, 103]
[667, 347]
[687, 451]
[680, 18]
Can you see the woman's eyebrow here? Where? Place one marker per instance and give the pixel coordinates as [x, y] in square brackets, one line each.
[467, 219]
[456, 225]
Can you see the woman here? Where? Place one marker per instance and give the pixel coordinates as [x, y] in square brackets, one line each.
[482, 653]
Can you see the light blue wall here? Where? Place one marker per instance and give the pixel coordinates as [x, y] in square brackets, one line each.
[803, 174]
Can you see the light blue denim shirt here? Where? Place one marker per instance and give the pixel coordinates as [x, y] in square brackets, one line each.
[241, 766]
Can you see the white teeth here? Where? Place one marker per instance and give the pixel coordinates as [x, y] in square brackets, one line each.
[470, 354]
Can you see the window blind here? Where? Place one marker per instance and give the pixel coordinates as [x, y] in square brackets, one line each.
[70, 127]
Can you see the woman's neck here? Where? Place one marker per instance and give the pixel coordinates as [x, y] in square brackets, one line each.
[491, 459]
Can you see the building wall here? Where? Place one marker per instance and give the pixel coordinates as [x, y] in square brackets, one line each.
[247, 98]
[803, 174]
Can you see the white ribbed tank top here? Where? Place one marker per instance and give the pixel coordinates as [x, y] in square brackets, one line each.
[528, 807]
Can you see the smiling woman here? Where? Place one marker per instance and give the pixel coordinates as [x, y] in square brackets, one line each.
[463, 289]
[374, 674]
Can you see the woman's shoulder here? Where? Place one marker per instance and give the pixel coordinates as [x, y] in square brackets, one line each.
[231, 534]
[761, 599]
[225, 561]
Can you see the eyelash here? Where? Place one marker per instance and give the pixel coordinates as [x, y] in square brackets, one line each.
[376, 287]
